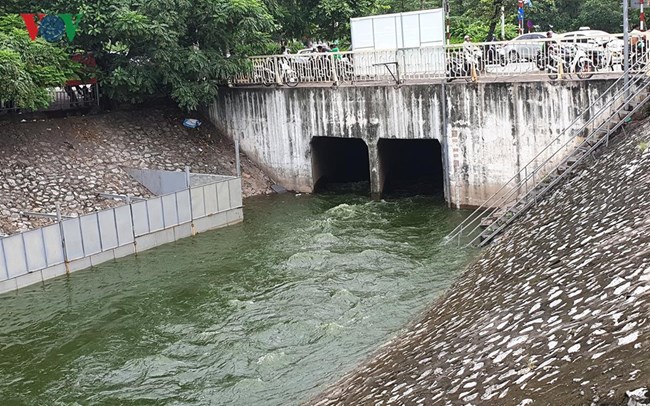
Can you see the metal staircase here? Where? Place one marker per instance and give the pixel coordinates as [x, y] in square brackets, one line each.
[626, 96]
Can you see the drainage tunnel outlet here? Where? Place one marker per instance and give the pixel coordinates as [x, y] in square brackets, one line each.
[340, 164]
[410, 167]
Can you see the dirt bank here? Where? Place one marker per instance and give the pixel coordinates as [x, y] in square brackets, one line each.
[69, 160]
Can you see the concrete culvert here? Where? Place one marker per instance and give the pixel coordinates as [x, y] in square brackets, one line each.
[340, 164]
[410, 167]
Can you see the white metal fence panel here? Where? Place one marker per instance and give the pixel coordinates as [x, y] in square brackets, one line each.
[15, 255]
[223, 194]
[73, 239]
[140, 218]
[210, 197]
[198, 204]
[124, 225]
[235, 193]
[155, 214]
[35, 249]
[53, 245]
[94, 233]
[183, 206]
[90, 233]
[170, 215]
[108, 229]
[4, 274]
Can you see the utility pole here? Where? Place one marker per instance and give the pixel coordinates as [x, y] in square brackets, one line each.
[520, 15]
[503, 24]
[445, 10]
[641, 16]
[626, 43]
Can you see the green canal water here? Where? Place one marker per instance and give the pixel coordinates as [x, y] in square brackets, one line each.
[268, 312]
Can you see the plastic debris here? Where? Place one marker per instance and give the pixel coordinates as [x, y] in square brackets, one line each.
[638, 397]
[191, 123]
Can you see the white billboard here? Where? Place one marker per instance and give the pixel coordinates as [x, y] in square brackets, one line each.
[398, 31]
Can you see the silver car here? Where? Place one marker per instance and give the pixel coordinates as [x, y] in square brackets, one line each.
[604, 48]
[523, 48]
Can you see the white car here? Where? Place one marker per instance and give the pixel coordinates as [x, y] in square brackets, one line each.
[522, 48]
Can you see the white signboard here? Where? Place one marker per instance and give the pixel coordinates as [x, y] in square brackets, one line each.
[398, 31]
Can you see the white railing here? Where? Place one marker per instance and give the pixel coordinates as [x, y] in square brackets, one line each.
[577, 57]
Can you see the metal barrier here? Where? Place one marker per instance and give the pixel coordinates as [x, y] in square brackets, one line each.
[67, 98]
[80, 242]
[577, 57]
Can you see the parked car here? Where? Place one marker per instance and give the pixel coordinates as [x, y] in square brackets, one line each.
[603, 48]
[523, 48]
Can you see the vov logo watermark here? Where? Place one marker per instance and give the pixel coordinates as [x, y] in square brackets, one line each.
[51, 27]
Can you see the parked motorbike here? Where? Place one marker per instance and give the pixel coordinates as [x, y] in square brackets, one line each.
[288, 73]
[571, 59]
[460, 63]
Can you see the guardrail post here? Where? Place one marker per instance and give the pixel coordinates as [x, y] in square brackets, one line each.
[526, 177]
[535, 185]
[65, 253]
[237, 161]
[335, 76]
[276, 69]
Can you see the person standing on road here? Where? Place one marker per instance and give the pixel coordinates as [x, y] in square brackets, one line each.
[469, 49]
[550, 46]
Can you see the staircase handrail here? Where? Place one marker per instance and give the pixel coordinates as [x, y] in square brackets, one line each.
[555, 181]
[475, 215]
[505, 198]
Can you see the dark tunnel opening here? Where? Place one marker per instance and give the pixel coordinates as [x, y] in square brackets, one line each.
[340, 165]
[410, 167]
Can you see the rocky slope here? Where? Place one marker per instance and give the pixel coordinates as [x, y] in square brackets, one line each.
[555, 312]
[70, 160]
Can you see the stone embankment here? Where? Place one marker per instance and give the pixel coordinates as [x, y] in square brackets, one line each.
[69, 160]
[555, 312]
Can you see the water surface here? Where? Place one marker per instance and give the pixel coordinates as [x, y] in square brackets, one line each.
[268, 312]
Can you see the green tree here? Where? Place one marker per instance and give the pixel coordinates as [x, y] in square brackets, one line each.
[183, 49]
[29, 69]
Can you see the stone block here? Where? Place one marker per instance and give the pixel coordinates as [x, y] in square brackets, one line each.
[53, 272]
[211, 222]
[79, 264]
[29, 279]
[8, 285]
[235, 216]
[102, 257]
[182, 231]
[145, 242]
[124, 251]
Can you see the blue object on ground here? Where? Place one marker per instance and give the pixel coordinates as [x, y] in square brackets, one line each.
[191, 123]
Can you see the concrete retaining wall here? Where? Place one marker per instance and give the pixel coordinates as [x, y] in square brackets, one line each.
[488, 131]
[82, 242]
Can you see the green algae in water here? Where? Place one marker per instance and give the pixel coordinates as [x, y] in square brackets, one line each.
[268, 312]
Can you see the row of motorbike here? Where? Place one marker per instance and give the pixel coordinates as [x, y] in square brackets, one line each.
[293, 69]
[467, 62]
[471, 61]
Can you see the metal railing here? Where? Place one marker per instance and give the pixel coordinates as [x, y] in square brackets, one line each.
[523, 190]
[67, 98]
[577, 57]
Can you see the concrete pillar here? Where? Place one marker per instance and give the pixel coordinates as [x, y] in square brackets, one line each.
[373, 158]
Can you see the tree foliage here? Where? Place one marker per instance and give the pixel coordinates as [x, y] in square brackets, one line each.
[183, 49]
[29, 69]
[186, 49]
